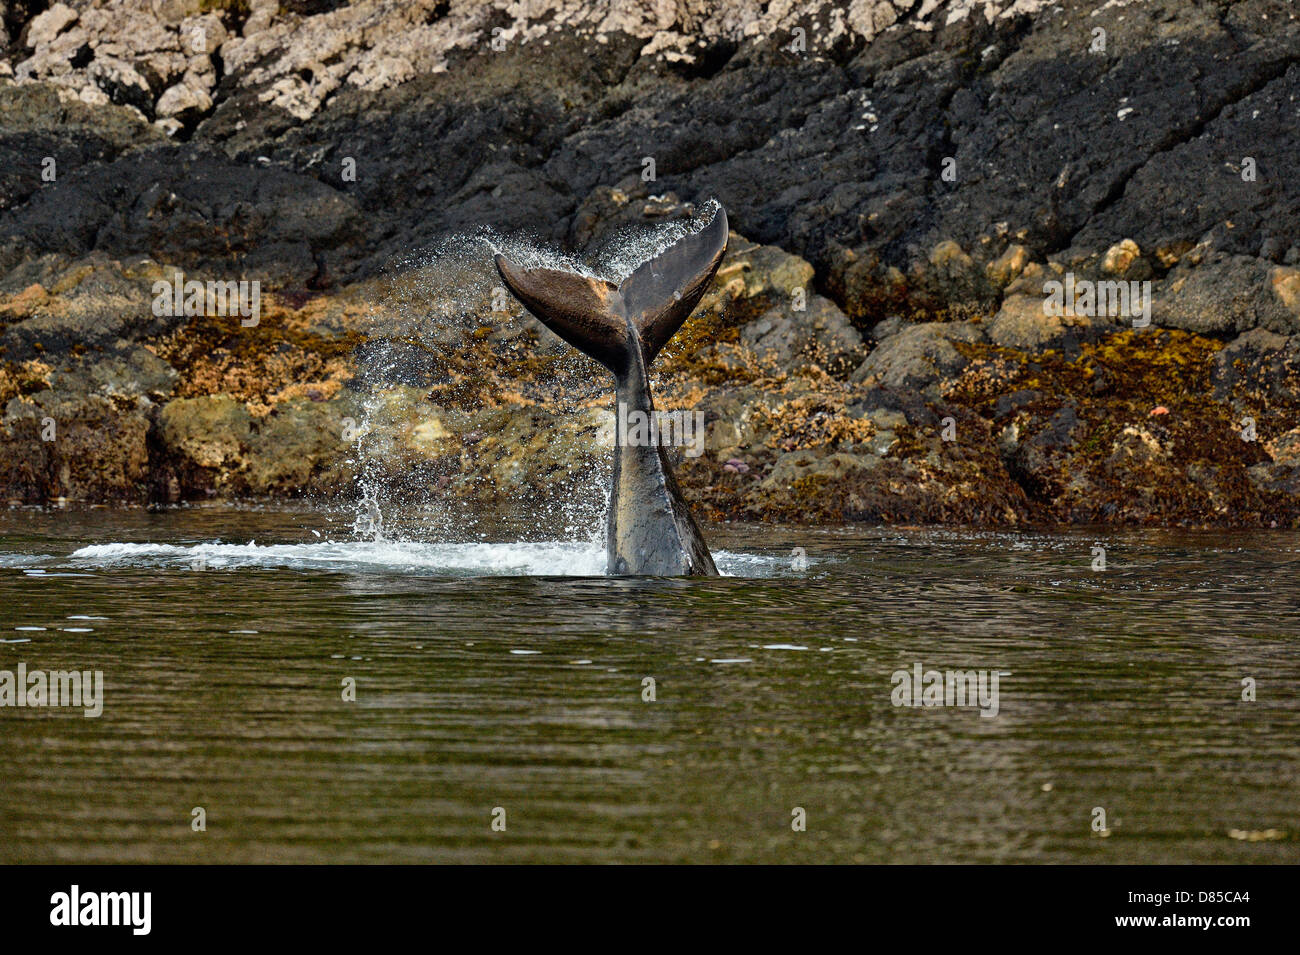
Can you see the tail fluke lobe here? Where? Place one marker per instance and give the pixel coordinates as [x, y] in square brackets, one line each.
[661, 294]
[585, 312]
[605, 321]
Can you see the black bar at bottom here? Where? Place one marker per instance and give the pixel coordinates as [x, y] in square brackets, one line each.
[333, 904]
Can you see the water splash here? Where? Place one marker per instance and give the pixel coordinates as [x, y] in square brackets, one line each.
[369, 523]
[630, 246]
[391, 557]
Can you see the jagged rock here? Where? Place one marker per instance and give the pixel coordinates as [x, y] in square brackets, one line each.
[44, 27]
[821, 334]
[1022, 324]
[1233, 294]
[869, 200]
[262, 13]
[1259, 368]
[798, 465]
[202, 35]
[121, 82]
[184, 99]
[173, 200]
[918, 357]
[42, 133]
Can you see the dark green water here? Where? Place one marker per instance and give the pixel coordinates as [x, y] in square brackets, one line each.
[223, 668]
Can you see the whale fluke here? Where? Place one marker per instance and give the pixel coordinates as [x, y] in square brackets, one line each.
[661, 294]
[650, 528]
[594, 315]
[583, 311]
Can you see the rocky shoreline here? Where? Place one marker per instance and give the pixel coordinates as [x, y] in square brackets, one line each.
[904, 192]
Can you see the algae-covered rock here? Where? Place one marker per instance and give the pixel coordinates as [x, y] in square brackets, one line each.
[1259, 369]
[86, 448]
[209, 432]
[800, 465]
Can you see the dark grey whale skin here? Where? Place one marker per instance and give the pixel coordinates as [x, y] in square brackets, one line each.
[649, 528]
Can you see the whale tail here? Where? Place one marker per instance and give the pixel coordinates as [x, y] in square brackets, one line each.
[606, 321]
[649, 525]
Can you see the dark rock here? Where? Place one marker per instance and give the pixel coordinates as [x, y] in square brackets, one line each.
[194, 207]
[918, 357]
[1259, 369]
[1040, 462]
[909, 403]
[1225, 296]
[1008, 405]
[35, 124]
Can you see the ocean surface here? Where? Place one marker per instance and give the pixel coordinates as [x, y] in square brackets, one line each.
[307, 695]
